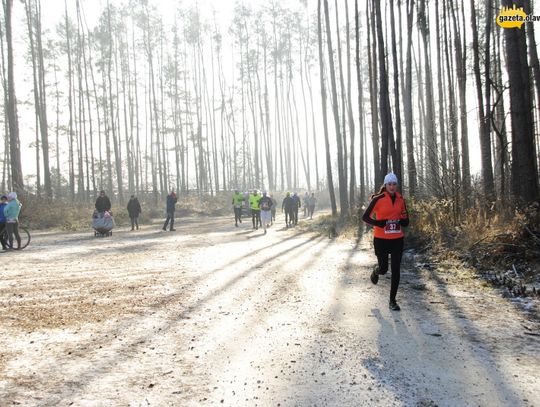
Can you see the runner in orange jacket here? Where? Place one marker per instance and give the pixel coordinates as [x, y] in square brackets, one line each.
[387, 213]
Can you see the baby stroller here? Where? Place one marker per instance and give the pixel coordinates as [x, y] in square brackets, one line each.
[103, 223]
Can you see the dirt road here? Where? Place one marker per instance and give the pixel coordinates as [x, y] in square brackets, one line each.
[217, 315]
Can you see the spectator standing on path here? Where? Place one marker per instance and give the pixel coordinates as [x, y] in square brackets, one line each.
[11, 212]
[171, 202]
[296, 207]
[3, 204]
[266, 205]
[237, 202]
[287, 206]
[387, 212]
[103, 203]
[134, 210]
[254, 201]
[312, 201]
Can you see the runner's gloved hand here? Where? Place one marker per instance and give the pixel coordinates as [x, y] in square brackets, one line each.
[380, 223]
[404, 222]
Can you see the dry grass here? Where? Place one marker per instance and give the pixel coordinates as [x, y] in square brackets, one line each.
[332, 226]
[433, 225]
[497, 238]
[217, 205]
[41, 213]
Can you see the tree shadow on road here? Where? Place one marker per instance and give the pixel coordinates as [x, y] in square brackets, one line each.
[130, 348]
[416, 361]
[433, 350]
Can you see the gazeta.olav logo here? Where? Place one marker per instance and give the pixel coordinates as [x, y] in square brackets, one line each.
[514, 17]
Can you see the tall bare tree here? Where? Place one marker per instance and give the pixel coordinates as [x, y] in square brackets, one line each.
[524, 173]
[343, 195]
[329, 180]
[432, 156]
[484, 125]
[13, 119]
[359, 81]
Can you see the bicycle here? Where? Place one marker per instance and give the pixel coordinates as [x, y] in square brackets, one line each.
[23, 233]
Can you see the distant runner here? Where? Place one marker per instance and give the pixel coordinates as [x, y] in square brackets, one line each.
[266, 205]
[287, 206]
[254, 200]
[237, 202]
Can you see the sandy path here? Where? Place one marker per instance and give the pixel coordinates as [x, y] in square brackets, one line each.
[214, 315]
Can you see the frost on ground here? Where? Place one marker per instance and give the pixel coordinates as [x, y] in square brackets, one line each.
[217, 315]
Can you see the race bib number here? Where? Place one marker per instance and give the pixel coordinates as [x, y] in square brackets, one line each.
[392, 226]
[265, 206]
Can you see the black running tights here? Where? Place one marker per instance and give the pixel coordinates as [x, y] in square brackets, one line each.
[394, 248]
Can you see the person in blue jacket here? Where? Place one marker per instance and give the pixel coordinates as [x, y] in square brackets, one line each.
[3, 203]
[171, 202]
[11, 212]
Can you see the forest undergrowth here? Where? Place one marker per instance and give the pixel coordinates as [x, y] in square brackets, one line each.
[501, 242]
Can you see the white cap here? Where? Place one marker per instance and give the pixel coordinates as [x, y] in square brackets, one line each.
[12, 195]
[390, 177]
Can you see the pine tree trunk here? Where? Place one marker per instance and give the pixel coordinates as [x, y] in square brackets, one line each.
[535, 68]
[313, 126]
[115, 137]
[398, 160]
[460, 47]
[352, 178]
[329, 181]
[359, 82]
[343, 195]
[86, 63]
[70, 105]
[452, 112]
[408, 105]
[306, 125]
[343, 99]
[485, 143]
[499, 122]
[138, 160]
[524, 174]
[430, 132]
[14, 143]
[44, 125]
[372, 65]
[37, 106]
[387, 131]
[440, 90]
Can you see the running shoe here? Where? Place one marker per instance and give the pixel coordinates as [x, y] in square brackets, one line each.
[394, 306]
